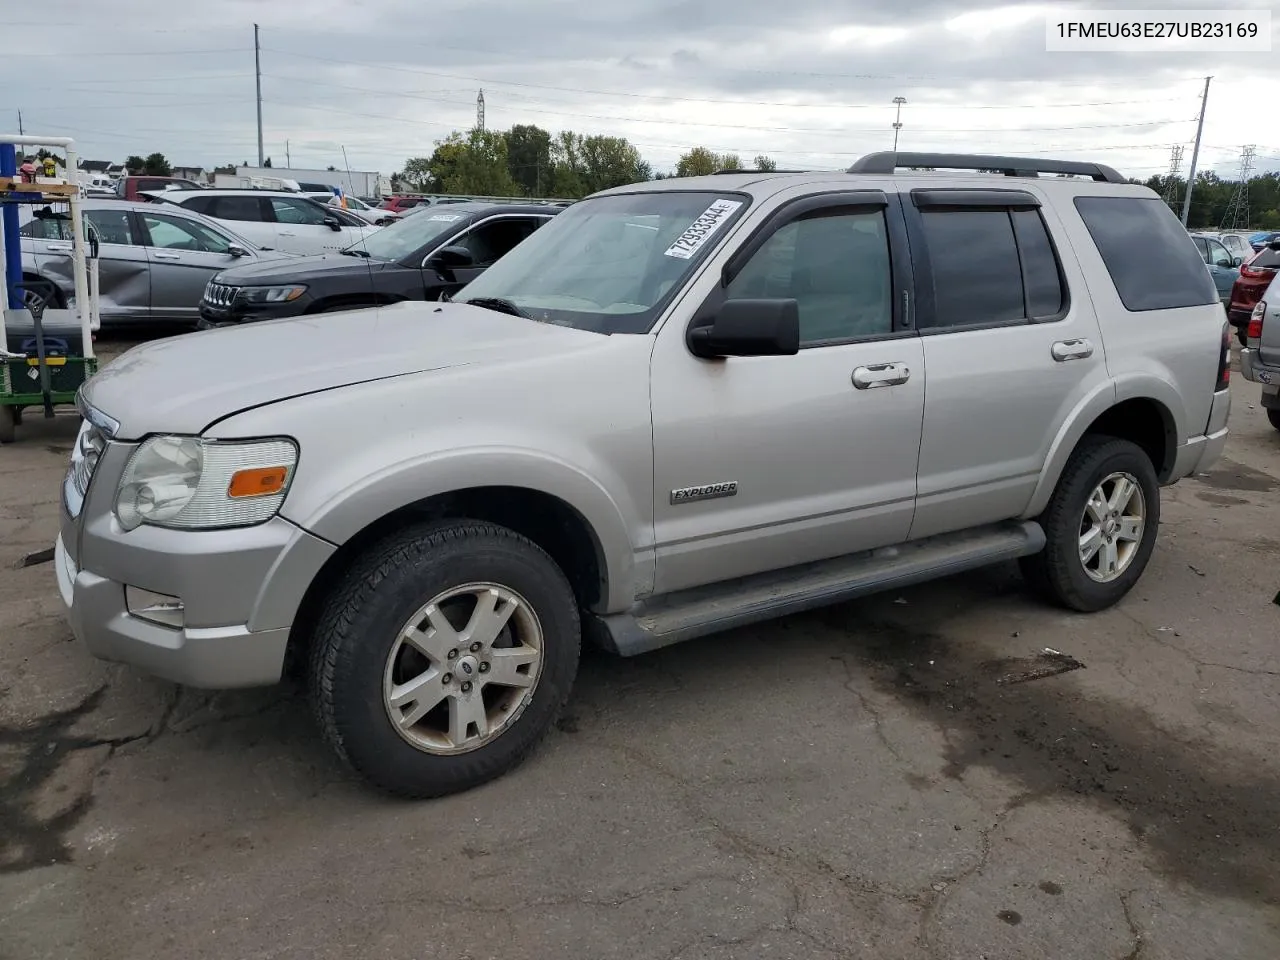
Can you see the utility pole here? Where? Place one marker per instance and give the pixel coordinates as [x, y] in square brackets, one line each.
[1195, 154]
[257, 74]
[897, 121]
[288, 160]
[480, 111]
[21, 132]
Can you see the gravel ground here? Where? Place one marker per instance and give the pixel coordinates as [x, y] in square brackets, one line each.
[906, 777]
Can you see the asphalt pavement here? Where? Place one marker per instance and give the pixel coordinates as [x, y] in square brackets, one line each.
[953, 771]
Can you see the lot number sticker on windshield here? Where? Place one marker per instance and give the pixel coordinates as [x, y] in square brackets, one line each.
[446, 217]
[702, 229]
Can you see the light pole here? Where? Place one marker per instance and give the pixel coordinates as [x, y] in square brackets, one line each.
[897, 121]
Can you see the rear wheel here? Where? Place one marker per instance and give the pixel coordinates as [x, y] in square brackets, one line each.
[1242, 335]
[1274, 417]
[1100, 524]
[444, 656]
[9, 418]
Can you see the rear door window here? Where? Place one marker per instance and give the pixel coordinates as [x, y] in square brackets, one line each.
[236, 208]
[976, 278]
[1151, 260]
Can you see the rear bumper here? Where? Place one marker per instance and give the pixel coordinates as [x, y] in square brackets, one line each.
[1255, 371]
[1200, 453]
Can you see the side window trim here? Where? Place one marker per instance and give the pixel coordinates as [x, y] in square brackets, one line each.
[926, 303]
[900, 261]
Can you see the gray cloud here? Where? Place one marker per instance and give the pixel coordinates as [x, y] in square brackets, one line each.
[807, 82]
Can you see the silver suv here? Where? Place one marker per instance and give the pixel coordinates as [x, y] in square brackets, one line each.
[681, 406]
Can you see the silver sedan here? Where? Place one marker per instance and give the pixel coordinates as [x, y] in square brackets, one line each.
[153, 261]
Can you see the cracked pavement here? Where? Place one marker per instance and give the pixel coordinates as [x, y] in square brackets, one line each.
[909, 777]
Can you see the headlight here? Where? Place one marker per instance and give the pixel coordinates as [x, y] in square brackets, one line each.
[273, 294]
[198, 484]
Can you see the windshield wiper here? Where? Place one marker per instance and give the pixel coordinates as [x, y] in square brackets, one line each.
[350, 252]
[498, 304]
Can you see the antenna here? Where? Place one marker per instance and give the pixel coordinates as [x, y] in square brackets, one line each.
[480, 110]
[373, 293]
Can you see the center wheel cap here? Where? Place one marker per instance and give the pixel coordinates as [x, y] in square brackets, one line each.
[467, 668]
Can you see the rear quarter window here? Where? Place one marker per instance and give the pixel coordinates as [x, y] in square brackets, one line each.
[1265, 258]
[1152, 261]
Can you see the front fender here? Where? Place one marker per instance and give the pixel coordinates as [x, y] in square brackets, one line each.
[338, 513]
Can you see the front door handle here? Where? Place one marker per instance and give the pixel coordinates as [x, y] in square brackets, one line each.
[880, 375]
[1065, 350]
[161, 255]
[58, 247]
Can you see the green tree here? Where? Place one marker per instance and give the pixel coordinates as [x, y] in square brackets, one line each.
[611, 162]
[529, 159]
[473, 163]
[699, 162]
[156, 165]
[134, 163]
[568, 166]
[416, 174]
[766, 164]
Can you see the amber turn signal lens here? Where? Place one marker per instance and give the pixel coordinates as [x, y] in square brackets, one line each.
[258, 482]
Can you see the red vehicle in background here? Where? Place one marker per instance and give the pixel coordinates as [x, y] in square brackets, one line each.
[131, 188]
[1255, 275]
[400, 202]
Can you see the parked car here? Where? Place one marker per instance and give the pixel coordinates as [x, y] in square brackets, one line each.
[357, 207]
[1261, 239]
[153, 262]
[1237, 244]
[276, 218]
[1260, 357]
[679, 407]
[421, 258]
[1255, 273]
[136, 188]
[1223, 267]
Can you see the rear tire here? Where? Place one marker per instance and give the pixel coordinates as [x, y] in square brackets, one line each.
[1274, 417]
[399, 637]
[1242, 335]
[8, 424]
[1091, 509]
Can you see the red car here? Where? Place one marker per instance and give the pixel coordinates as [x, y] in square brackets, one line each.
[400, 202]
[1255, 275]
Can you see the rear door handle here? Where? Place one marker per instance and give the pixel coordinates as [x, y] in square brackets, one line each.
[160, 255]
[880, 375]
[1065, 350]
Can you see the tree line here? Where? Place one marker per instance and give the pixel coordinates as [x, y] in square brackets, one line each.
[1211, 199]
[528, 161]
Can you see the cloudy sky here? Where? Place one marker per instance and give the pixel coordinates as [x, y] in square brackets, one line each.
[808, 82]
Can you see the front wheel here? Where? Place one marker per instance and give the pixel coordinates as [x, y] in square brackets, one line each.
[1274, 417]
[443, 657]
[1100, 524]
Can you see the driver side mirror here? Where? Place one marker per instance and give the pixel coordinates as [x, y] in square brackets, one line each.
[332, 223]
[749, 328]
[236, 251]
[1237, 261]
[1224, 262]
[452, 257]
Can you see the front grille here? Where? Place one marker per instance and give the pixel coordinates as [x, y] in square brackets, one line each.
[220, 294]
[85, 454]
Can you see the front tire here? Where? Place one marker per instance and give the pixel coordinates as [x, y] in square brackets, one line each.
[1274, 417]
[1101, 526]
[443, 657]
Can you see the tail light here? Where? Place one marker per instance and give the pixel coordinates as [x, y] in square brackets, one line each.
[1256, 273]
[1254, 331]
[1224, 360]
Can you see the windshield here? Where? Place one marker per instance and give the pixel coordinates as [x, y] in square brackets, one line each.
[609, 264]
[405, 237]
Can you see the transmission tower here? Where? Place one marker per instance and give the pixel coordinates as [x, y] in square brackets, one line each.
[480, 110]
[1237, 215]
[1171, 180]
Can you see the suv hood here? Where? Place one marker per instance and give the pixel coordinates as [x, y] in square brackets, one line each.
[301, 270]
[183, 384]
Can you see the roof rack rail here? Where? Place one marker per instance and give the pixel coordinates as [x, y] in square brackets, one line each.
[887, 162]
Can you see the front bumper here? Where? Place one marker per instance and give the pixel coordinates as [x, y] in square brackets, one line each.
[212, 316]
[240, 590]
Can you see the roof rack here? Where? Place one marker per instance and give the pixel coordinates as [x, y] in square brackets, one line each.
[888, 161]
[741, 170]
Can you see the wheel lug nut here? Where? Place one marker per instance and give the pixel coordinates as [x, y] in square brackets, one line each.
[447, 678]
[453, 654]
[475, 646]
[466, 687]
[484, 667]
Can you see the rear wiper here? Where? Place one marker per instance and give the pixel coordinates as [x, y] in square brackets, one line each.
[355, 253]
[498, 304]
